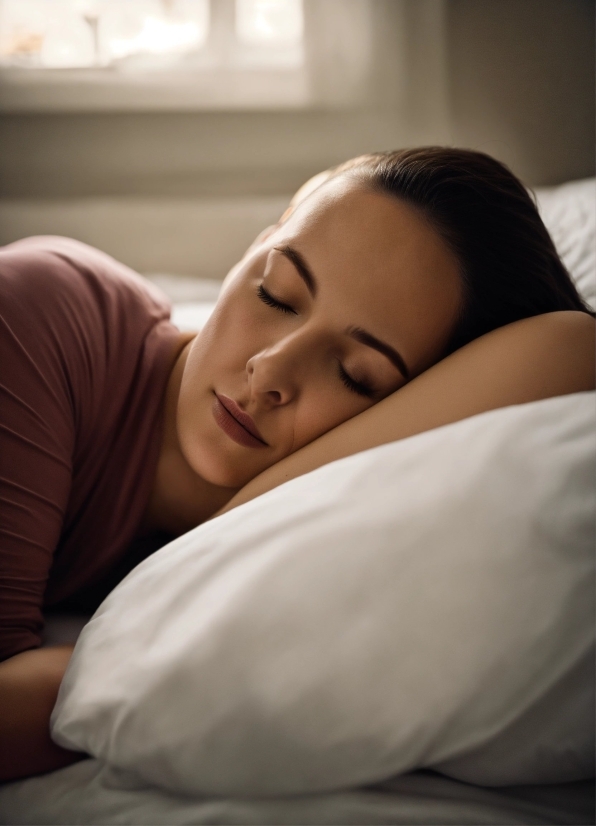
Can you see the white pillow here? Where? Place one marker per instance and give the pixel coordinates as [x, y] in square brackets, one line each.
[420, 604]
[569, 213]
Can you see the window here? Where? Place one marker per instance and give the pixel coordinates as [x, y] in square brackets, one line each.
[146, 55]
[145, 34]
[270, 31]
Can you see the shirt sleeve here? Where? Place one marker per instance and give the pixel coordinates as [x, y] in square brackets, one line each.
[85, 352]
[36, 437]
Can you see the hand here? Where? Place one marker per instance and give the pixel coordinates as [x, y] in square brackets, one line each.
[29, 684]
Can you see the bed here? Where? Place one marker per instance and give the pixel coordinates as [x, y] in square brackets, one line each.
[89, 793]
[433, 779]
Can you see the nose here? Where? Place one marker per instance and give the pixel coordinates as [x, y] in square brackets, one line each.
[274, 373]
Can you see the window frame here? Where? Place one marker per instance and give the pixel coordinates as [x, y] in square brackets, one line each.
[334, 76]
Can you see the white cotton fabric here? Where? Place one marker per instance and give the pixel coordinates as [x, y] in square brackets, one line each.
[426, 603]
[91, 793]
[569, 213]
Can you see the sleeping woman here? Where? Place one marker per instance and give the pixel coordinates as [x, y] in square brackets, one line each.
[400, 291]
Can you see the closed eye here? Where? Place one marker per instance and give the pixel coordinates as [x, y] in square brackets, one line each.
[358, 387]
[354, 386]
[268, 299]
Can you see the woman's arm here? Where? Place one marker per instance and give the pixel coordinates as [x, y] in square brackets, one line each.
[29, 684]
[537, 358]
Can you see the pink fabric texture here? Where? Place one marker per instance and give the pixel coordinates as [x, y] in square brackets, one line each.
[86, 349]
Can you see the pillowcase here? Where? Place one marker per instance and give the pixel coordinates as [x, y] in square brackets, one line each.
[569, 213]
[427, 603]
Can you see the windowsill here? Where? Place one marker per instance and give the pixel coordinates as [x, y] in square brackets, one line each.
[89, 90]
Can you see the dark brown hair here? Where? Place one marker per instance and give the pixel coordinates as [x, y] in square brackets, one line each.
[509, 265]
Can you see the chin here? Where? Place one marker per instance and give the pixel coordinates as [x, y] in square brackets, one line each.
[217, 471]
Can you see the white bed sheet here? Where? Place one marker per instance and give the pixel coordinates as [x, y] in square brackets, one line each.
[92, 793]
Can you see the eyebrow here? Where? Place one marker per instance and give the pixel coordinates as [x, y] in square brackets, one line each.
[371, 341]
[305, 272]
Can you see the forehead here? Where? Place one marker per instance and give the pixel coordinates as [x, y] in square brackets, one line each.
[379, 258]
[346, 221]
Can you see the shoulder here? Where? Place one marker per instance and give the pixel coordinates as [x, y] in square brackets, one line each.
[74, 313]
[55, 267]
[68, 294]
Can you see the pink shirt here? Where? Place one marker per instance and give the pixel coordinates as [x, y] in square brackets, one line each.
[86, 349]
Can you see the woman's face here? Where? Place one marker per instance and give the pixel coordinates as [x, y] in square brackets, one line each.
[352, 296]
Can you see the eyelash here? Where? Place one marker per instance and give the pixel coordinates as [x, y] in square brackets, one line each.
[355, 386]
[267, 298]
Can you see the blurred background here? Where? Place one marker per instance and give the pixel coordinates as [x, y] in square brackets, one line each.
[170, 132]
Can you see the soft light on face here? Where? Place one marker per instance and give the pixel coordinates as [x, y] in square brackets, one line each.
[341, 305]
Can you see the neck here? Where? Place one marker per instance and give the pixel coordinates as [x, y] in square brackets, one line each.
[180, 499]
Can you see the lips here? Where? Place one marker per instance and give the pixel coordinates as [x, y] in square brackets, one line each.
[235, 423]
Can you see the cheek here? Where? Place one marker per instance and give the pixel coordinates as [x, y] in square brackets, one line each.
[217, 360]
[227, 340]
[323, 406]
